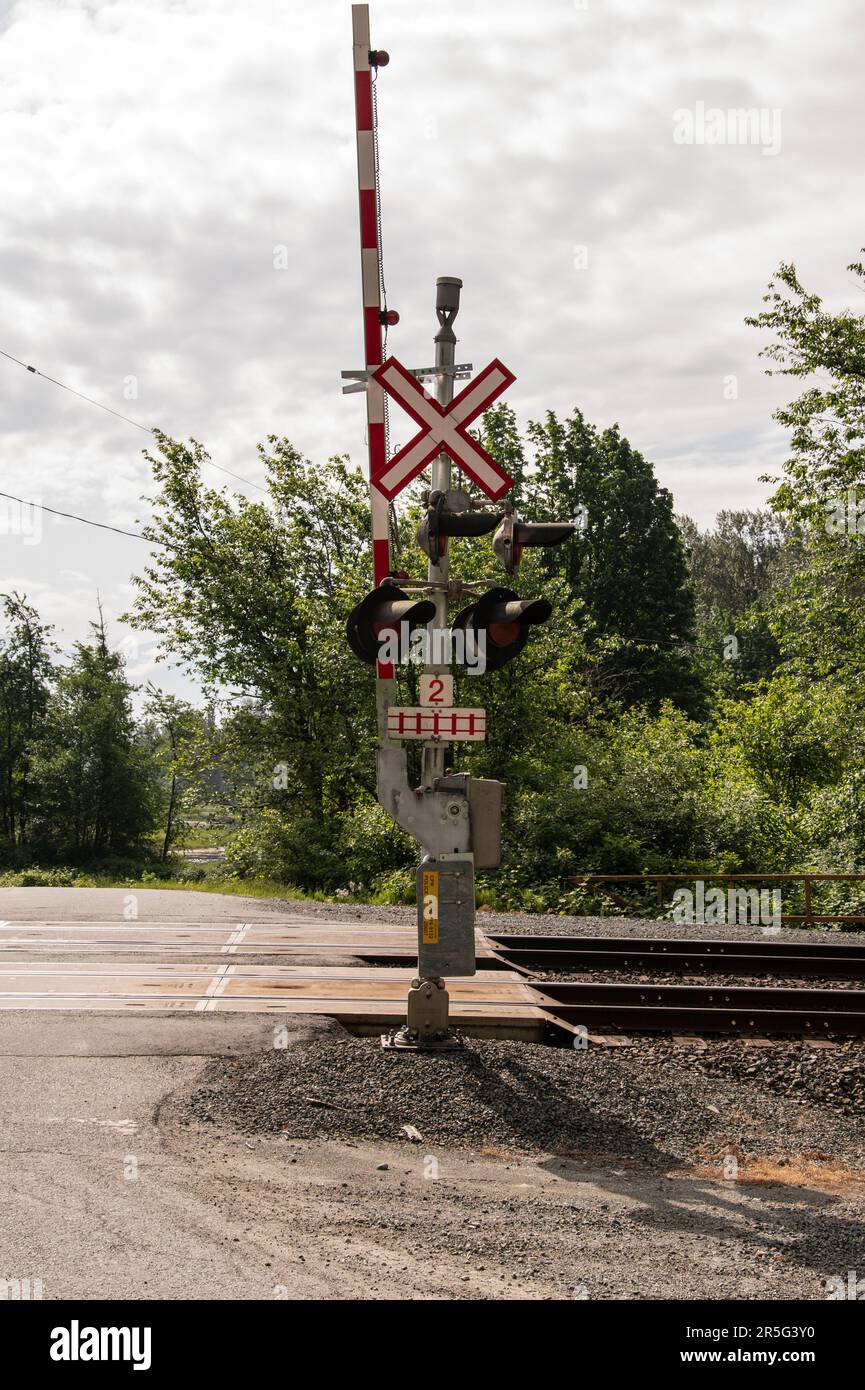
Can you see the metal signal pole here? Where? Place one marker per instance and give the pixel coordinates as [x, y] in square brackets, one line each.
[454, 817]
[447, 307]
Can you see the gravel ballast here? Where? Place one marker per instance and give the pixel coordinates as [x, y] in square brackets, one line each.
[553, 924]
[716, 978]
[655, 1103]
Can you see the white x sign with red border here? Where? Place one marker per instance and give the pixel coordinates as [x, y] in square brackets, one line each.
[443, 428]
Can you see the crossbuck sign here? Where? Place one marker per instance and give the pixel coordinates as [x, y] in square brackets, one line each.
[443, 428]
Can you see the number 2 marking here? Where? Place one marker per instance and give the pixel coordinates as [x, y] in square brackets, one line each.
[437, 690]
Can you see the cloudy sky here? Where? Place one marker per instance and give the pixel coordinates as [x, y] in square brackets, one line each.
[153, 156]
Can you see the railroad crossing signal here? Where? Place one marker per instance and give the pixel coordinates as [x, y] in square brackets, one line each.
[497, 625]
[443, 428]
[454, 816]
[384, 611]
[514, 535]
[451, 514]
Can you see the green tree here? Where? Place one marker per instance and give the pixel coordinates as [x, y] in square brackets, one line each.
[819, 616]
[791, 736]
[253, 597]
[26, 672]
[735, 569]
[94, 783]
[626, 567]
[826, 422]
[175, 738]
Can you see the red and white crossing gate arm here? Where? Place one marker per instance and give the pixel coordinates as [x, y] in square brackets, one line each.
[370, 259]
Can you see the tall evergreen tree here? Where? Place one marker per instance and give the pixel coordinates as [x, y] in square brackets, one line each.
[735, 567]
[95, 783]
[25, 677]
[627, 564]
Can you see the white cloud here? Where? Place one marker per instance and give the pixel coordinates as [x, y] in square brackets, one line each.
[153, 155]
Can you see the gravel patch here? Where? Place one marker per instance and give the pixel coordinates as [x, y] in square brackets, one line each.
[550, 924]
[832, 1077]
[656, 1103]
[710, 978]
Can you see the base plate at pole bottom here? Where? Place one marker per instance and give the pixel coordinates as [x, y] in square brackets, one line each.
[426, 1026]
[402, 1040]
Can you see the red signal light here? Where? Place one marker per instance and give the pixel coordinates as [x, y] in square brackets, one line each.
[503, 634]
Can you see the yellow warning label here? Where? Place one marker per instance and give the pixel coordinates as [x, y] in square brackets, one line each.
[431, 908]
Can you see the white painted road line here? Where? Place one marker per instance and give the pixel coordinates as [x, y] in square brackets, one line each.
[214, 989]
[231, 945]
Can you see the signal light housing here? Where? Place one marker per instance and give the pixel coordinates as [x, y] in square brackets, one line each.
[385, 608]
[440, 522]
[500, 619]
[514, 535]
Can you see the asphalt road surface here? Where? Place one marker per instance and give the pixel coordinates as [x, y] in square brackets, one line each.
[106, 1191]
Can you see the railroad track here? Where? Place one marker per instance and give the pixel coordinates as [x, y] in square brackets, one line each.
[639, 1007]
[291, 963]
[704, 1008]
[683, 957]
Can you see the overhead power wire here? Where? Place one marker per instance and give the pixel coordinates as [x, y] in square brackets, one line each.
[148, 429]
[36, 372]
[71, 516]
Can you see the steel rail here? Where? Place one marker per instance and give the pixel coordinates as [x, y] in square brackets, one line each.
[704, 1008]
[682, 956]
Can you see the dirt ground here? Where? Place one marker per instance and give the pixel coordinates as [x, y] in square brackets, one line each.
[612, 1213]
[329, 1220]
[110, 1187]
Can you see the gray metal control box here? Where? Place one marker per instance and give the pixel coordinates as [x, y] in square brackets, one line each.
[485, 816]
[446, 916]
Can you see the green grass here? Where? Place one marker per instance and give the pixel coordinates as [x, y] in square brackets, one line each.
[174, 876]
[198, 838]
[234, 887]
[202, 878]
[252, 887]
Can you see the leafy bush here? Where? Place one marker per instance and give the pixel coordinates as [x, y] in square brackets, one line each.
[39, 878]
[291, 850]
[396, 888]
[373, 846]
